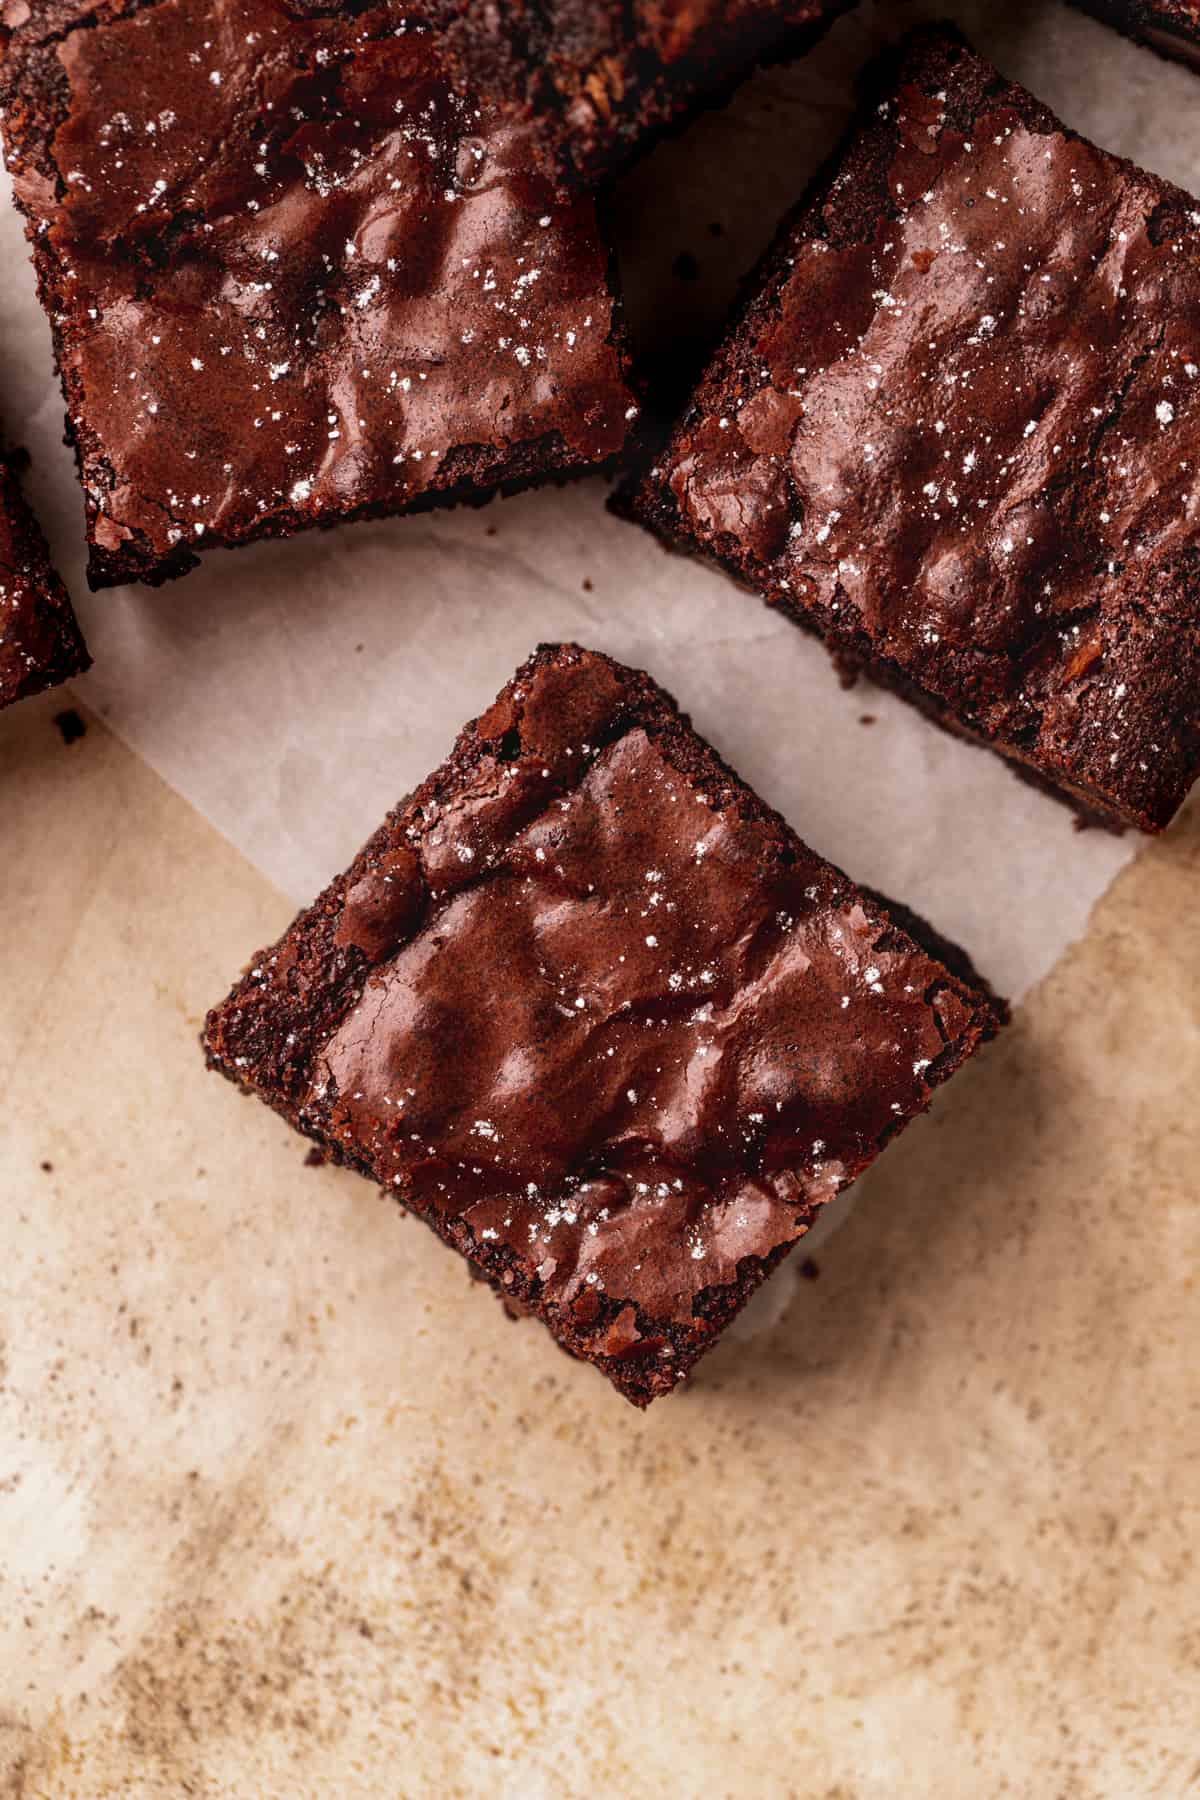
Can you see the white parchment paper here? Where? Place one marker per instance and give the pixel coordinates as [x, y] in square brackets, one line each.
[294, 692]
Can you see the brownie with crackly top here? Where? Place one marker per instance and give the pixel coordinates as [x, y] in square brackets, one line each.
[592, 1011]
[1169, 26]
[304, 263]
[956, 432]
[41, 644]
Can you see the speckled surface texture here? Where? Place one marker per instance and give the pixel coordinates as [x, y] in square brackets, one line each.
[284, 1509]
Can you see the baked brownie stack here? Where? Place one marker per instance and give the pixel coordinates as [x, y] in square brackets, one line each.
[1172, 26]
[592, 1011]
[956, 432]
[40, 640]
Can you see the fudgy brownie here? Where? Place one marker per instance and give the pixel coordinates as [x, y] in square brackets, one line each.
[956, 432]
[40, 640]
[625, 70]
[303, 263]
[593, 1012]
[1172, 26]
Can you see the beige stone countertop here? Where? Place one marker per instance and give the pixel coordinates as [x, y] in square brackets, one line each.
[288, 1507]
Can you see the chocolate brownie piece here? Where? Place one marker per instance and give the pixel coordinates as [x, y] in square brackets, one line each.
[591, 1010]
[625, 71]
[40, 640]
[956, 432]
[304, 264]
[1171, 26]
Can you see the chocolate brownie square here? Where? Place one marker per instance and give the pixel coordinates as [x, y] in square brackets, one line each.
[40, 640]
[303, 265]
[1171, 26]
[956, 432]
[592, 1011]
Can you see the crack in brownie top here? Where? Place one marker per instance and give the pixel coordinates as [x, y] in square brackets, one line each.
[961, 428]
[301, 266]
[613, 1019]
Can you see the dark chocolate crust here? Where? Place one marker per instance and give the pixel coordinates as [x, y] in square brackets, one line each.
[41, 644]
[1169, 26]
[304, 263]
[956, 427]
[593, 1011]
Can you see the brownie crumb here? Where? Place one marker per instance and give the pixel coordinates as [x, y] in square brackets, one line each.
[810, 1270]
[71, 726]
[587, 584]
[47, 1168]
[866, 718]
[316, 1158]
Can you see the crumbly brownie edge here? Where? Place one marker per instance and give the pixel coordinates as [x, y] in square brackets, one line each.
[541, 462]
[245, 1037]
[932, 55]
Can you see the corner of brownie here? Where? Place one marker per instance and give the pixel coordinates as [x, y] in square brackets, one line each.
[955, 431]
[591, 1010]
